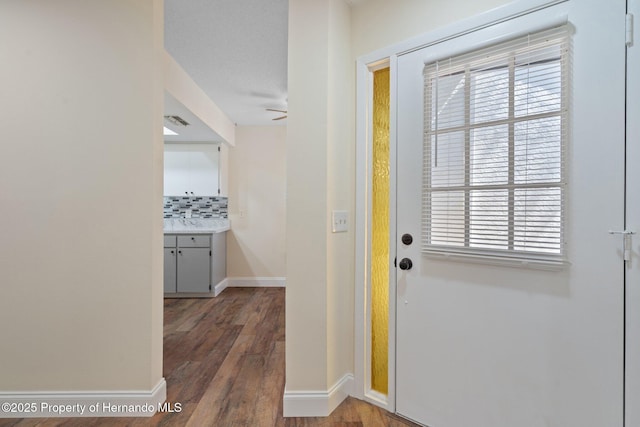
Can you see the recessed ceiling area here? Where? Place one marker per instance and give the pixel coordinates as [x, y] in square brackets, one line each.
[236, 51]
[196, 131]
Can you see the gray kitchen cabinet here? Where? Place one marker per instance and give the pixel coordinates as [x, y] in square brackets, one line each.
[194, 263]
[194, 258]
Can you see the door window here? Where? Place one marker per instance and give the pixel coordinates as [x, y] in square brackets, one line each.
[495, 138]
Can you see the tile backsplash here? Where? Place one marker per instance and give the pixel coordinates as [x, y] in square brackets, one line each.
[201, 207]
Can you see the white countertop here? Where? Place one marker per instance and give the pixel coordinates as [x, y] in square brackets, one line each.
[195, 225]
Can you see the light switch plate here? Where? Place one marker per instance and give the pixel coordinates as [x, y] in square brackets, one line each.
[339, 221]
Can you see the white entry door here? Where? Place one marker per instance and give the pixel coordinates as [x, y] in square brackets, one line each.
[493, 329]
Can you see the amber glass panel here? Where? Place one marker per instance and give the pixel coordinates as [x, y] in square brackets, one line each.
[380, 234]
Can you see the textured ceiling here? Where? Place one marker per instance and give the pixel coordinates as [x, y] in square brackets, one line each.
[235, 50]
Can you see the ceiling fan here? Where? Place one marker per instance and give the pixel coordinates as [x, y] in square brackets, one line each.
[278, 111]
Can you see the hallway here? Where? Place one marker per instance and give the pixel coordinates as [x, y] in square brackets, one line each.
[224, 364]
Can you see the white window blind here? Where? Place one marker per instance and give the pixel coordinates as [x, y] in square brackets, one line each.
[494, 150]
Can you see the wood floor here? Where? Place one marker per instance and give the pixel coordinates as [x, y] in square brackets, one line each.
[224, 363]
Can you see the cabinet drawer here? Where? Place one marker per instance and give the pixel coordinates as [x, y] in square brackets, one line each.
[169, 241]
[193, 241]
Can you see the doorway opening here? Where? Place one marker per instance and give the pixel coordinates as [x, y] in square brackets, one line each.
[485, 296]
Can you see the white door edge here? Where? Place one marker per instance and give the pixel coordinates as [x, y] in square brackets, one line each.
[632, 277]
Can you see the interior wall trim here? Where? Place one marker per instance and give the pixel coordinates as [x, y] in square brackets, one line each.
[249, 282]
[256, 282]
[317, 403]
[54, 404]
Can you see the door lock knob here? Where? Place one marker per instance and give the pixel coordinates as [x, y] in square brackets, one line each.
[405, 264]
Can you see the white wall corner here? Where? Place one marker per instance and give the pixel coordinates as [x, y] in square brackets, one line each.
[86, 404]
[317, 403]
[256, 282]
[217, 289]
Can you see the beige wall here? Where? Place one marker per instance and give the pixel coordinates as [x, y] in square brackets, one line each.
[320, 148]
[81, 195]
[340, 193]
[257, 188]
[307, 220]
[377, 24]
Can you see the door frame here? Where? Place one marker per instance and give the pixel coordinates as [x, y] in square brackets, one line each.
[365, 66]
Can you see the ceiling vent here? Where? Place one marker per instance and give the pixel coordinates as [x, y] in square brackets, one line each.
[278, 111]
[177, 120]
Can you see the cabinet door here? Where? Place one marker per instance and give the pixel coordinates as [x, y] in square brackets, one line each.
[193, 270]
[191, 168]
[203, 165]
[169, 270]
[176, 171]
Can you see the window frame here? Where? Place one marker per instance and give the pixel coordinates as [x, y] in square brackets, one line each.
[510, 255]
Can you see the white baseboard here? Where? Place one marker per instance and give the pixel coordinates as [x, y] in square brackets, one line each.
[236, 282]
[317, 403]
[87, 404]
[257, 282]
[217, 289]
[378, 399]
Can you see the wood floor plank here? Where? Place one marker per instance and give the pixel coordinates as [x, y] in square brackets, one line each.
[251, 308]
[266, 330]
[181, 378]
[198, 312]
[180, 346]
[215, 398]
[175, 310]
[270, 388]
[218, 339]
[243, 396]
